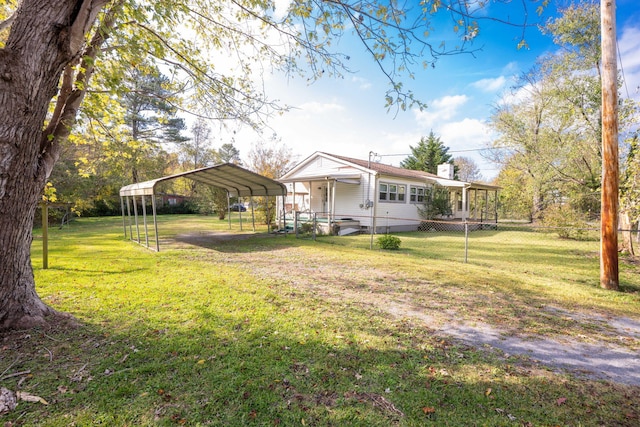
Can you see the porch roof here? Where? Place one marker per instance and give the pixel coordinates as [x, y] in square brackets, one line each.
[350, 178]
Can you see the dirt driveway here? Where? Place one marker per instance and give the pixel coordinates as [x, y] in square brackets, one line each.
[597, 346]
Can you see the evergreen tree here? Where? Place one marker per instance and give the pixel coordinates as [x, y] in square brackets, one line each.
[229, 154]
[427, 155]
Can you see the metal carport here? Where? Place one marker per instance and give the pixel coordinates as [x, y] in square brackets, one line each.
[237, 181]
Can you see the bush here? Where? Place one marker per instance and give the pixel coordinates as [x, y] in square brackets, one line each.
[388, 242]
[567, 222]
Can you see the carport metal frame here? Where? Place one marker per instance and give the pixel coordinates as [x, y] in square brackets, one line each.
[235, 180]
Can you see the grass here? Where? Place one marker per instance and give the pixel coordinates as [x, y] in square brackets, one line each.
[270, 331]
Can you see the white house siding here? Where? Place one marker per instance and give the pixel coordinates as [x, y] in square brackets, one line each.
[323, 166]
[396, 216]
[348, 200]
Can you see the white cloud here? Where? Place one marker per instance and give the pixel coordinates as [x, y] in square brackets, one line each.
[441, 109]
[464, 134]
[281, 8]
[321, 107]
[629, 45]
[363, 84]
[490, 85]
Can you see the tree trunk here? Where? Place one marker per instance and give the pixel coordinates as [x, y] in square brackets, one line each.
[44, 38]
[627, 232]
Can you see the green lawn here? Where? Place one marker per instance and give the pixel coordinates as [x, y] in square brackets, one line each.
[275, 330]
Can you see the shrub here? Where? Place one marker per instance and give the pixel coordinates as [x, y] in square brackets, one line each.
[388, 242]
[567, 222]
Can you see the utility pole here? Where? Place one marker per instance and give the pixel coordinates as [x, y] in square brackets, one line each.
[610, 169]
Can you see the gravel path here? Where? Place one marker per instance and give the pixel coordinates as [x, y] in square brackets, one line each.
[334, 280]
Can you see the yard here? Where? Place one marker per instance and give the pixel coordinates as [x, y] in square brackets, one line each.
[229, 328]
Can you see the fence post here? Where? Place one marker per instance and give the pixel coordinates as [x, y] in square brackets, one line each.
[466, 240]
[315, 224]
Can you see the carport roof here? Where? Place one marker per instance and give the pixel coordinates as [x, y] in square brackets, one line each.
[236, 180]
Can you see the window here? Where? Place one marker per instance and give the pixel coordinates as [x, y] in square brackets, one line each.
[416, 194]
[383, 192]
[392, 193]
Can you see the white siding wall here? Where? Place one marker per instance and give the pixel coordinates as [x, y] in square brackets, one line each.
[397, 216]
[323, 166]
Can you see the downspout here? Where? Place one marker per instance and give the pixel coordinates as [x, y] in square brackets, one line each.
[374, 205]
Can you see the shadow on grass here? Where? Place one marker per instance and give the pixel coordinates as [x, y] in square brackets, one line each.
[233, 242]
[240, 370]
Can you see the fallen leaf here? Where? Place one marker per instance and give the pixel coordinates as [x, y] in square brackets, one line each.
[30, 397]
[561, 401]
[488, 392]
[201, 362]
[428, 410]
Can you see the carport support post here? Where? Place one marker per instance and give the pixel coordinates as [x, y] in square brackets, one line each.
[229, 209]
[129, 218]
[155, 221]
[144, 221]
[124, 224]
[135, 215]
[253, 217]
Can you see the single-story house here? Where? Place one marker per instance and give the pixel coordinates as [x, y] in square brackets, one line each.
[350, 194]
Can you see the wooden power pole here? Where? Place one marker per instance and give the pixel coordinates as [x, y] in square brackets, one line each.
[610, 168]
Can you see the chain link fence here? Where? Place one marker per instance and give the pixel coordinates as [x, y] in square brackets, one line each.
[460, 240]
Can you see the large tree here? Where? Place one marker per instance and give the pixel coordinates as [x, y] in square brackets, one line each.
[271, 159]
[53, 49]
[467, 169]
[551, 131]
[427, 155]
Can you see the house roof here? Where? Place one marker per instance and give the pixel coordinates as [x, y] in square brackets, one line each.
[383, 169]
[233, 178]
[386, 169]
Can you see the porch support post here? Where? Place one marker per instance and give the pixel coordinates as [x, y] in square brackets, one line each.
[486, 204]
[464, 203]
[475, 204]
[333, 201]
[293, 201]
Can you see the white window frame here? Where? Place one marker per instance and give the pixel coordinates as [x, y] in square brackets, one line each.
[392, 193]
[417, 194]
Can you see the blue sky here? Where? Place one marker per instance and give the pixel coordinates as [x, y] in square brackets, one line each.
[347, 115]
